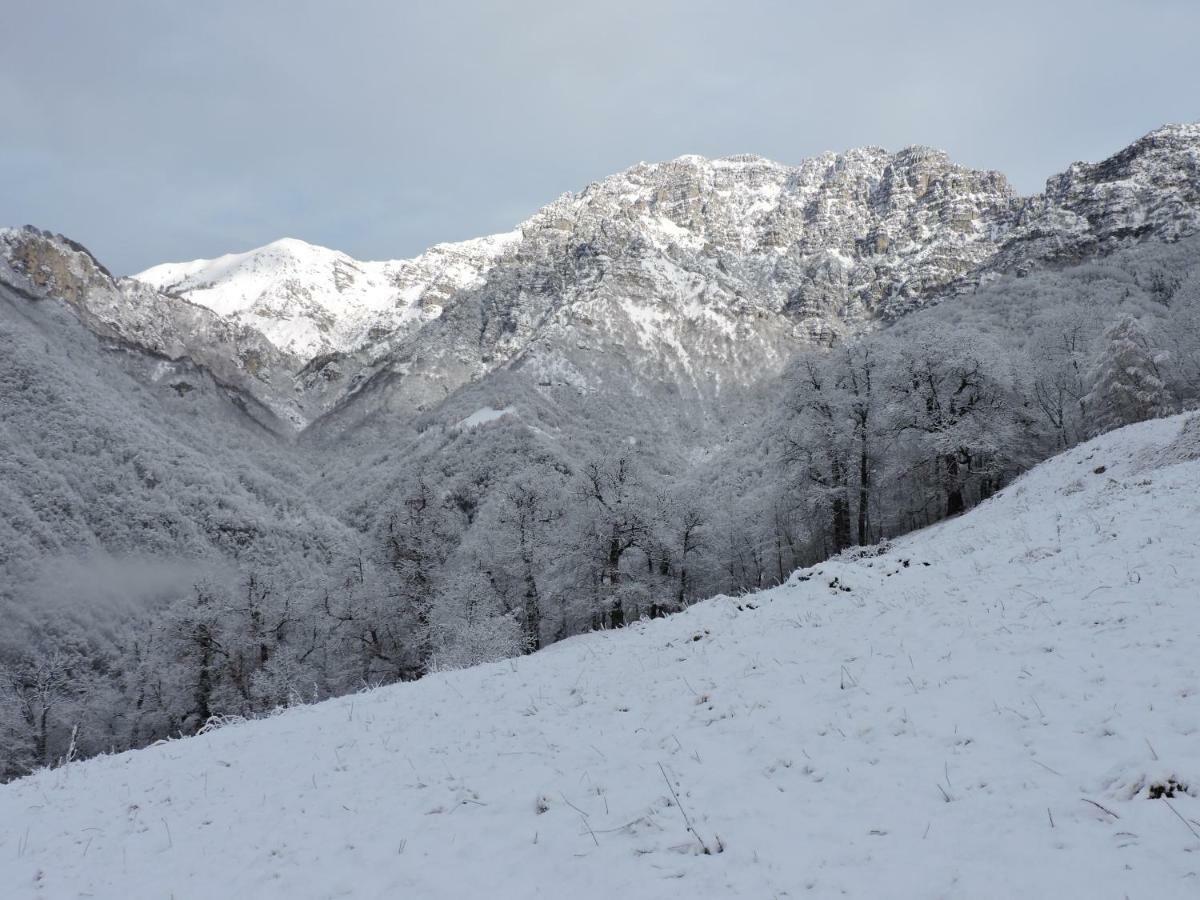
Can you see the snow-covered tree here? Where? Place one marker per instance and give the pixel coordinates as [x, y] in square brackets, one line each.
[1126, 380]
[952, 398]
[418, 543]
[612, 520]
[1180, 335]
[33, 691]
[1057, 361]
[818, 438]
[469, 623]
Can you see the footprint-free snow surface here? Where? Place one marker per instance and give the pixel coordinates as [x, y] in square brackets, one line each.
[1005, 705]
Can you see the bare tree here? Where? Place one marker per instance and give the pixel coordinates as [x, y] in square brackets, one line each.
[36, 685]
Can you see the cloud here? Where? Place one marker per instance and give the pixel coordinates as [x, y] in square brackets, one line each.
[157, 131]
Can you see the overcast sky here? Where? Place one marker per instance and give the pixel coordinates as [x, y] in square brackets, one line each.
[155, 131]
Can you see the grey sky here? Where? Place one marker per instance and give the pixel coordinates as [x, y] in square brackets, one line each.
[155, 131]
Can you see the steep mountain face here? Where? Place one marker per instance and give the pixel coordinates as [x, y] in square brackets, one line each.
[826, 243]
[692, 276]
[1149, 190]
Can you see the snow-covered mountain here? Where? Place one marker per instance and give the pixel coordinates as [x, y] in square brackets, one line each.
[309, 300]
[1002, 705]
[835, 240]
[701, 274]
[1151, 189]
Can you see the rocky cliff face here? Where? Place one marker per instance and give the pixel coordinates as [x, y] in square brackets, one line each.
[830, 242]
[693, 273]
[702, 273]
[1148, 191]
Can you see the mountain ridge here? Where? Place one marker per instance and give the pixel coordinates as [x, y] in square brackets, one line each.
[662, 193]
[699, 272]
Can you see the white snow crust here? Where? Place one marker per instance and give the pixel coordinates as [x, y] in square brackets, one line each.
[482, 416]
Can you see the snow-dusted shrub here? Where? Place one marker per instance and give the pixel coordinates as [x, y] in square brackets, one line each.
[476, 640]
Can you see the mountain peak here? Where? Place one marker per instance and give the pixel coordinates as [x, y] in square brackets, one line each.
[1182, 130]
[1150, 188]
[293, 245]
[733, 161]
[310, 300]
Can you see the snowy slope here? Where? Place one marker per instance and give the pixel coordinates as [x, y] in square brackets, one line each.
[980, 711]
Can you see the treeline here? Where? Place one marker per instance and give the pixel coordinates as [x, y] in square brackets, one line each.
[476, 544]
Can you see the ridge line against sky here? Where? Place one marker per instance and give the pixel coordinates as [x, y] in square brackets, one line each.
[152, 132]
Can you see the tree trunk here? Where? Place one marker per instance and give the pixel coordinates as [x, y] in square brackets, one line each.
[954, 487]
[533, 614]
[681, 594]
[42, 741]
[612, 580]
[841, 508]
[864, 490]
[204, 680]
[533, 605]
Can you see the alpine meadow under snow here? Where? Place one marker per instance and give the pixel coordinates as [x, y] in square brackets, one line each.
[736, 528]
[1005, 704]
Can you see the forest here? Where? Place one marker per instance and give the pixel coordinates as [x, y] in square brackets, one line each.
[164, 575]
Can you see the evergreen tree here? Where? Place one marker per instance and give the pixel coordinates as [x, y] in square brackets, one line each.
[1126, 383]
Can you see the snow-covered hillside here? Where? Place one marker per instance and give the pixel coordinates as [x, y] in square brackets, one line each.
[988, 708]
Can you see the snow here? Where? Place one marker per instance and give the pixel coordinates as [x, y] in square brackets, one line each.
[482, 416]
[310, 300]
[665, 232]
[845, 260]
[980, 711]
